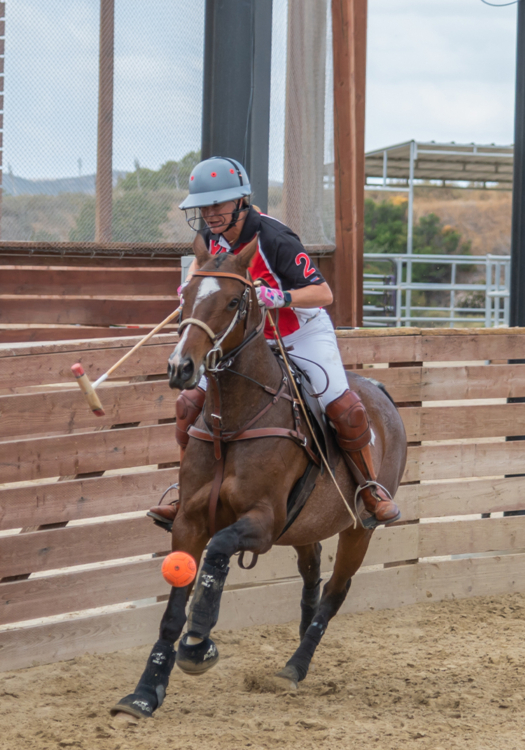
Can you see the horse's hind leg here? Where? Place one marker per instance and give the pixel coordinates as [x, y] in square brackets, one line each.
[350, 553]
[309, 565]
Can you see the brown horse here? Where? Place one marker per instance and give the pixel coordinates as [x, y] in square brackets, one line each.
[255, 478]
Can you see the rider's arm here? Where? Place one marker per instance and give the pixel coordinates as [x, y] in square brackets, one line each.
[194, 266]
[315, 295]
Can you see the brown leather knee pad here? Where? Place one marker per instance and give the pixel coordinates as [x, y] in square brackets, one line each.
[187, 408]
[348, 415]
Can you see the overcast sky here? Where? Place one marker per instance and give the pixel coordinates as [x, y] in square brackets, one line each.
[438, 70]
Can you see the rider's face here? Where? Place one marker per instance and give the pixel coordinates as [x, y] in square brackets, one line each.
[219, 216]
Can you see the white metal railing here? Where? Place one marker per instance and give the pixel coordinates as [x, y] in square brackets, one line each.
[389, 295]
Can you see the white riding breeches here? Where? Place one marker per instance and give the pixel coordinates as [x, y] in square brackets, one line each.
[316, 342]
[314, 349]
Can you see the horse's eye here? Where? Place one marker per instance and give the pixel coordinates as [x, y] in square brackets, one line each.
[233, 304]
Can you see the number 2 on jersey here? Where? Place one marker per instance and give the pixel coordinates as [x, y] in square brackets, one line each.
[307, 270]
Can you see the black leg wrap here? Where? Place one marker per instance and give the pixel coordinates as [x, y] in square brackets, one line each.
[204, 610]
[198, 658]
[174, 617]
[309, 604]
[151, 688]
[300, 661]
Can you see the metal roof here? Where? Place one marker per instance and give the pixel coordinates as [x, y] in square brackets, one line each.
[445, 162]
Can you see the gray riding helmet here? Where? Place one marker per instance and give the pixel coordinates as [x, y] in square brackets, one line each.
[216, 180]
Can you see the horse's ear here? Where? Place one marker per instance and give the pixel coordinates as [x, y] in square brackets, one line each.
[200, 250]
[245, 256]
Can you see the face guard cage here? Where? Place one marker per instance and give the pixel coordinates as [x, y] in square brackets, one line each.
[196, 221]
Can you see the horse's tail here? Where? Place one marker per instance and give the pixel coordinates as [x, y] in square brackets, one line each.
[382, 387]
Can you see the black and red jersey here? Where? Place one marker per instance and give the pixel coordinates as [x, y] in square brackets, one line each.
[281, 261]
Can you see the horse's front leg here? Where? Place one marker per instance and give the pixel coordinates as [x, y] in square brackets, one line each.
[197, 652]
[151, 688]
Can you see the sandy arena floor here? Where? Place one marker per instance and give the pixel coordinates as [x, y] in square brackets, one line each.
[437, 676]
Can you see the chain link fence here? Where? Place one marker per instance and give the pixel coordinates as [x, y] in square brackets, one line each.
[49, 172]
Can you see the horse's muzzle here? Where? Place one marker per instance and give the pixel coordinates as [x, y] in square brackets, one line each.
[182, 375]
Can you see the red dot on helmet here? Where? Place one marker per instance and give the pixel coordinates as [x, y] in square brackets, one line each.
[214, 174]
[232, 171]
[192, 177]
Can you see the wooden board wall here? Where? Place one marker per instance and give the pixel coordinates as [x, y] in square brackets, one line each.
[45, 302]
[73, 489]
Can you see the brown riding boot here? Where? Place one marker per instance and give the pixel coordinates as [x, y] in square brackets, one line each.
[349, 418]
[187, 408]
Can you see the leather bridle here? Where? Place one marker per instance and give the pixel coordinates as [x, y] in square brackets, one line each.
[216, 355]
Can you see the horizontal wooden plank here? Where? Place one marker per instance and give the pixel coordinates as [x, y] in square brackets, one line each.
[89, 281]
[467, 344]
[448, 383]
[467, 537]
[51, 363]
[460, 422]
[468, 577]
[20, 334]
[83, 453]
[464, 460]
[77, 499]
[36, 551]
[66, 410]
[463, 498]
[367, 346]
[94, 311]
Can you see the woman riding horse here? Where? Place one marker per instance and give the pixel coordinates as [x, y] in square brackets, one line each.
[249, 451]
[219, 193]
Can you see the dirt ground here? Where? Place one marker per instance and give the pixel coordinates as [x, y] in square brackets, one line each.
[437, 676]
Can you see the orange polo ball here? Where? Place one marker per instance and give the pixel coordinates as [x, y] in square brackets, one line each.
[179, 569]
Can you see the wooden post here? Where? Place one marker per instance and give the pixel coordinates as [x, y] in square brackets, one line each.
[349, 18]
[304, 120]
[104, 189]
[2, 50]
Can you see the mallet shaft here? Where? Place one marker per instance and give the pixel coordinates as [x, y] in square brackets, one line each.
[88, 388]
[137, 346]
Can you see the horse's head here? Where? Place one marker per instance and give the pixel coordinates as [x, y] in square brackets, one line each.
[218, 310]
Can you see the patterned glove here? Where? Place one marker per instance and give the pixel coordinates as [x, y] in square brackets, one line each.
[180, 290]
[270, 298]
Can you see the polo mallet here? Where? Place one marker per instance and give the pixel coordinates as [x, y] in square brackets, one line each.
[88, 388]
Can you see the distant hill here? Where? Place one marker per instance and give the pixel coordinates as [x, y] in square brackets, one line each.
[13, 185]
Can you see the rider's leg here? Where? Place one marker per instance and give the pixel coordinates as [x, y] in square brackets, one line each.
[316, 343]
[348, 415]
[187, 408]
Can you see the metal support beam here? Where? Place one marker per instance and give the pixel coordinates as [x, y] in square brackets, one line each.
[517, 281]
[104, 188]
[349, 24]
[236, 93]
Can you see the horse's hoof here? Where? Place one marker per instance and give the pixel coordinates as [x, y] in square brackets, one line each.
[122, 719]
[196, 659]
[288, 678]
[134, 705]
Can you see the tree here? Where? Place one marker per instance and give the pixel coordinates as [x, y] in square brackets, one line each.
[172, 175]
[137, 217]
